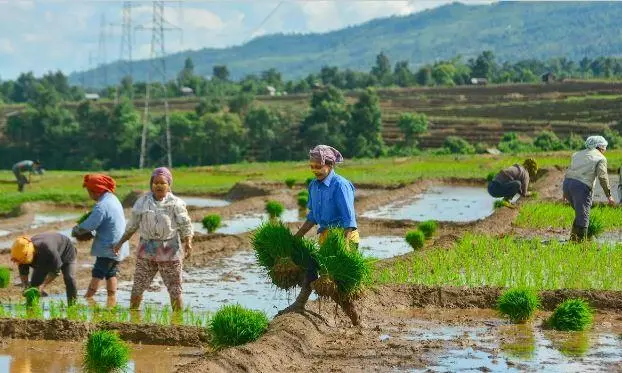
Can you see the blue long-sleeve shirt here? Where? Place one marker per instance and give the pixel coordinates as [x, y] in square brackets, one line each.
[331, 203]
[108, 222]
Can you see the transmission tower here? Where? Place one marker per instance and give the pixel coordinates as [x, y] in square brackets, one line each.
[102, 50]
[125, 56]
[157, 72]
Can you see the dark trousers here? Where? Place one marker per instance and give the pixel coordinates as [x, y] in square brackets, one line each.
[504, 190]
[580, 197]
[21, 180]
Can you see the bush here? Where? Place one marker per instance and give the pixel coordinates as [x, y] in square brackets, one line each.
[211, 222]
[548, 141]
[574, 142]
[458, 145]
[290, 182]
[510, 143]
[303, 201]
[571, 315]
[428, 228]
[518, 304]
[32, 296]
[104, 351]
[613, 138]
[595, 226]
[416, 239]
[234, 325]
[5, 277]
[412, 125]
[274, 209]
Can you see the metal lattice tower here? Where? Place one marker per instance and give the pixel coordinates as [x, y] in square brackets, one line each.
[101, 56]
[125, 57]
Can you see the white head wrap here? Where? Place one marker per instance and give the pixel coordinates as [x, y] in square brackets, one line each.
[594, 142]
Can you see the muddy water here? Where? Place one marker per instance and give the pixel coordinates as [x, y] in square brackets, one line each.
[44, 218]
[441, 203]
[4, 233]
[243, 223]
[382, 247]
[20, 356]
[204, 202]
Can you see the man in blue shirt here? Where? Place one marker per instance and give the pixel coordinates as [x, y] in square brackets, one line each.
[20, 168]
[108, 222]
[331, 204]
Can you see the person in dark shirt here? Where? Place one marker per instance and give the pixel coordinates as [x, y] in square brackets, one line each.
[48, 254]
[513, 180]
[21, 168]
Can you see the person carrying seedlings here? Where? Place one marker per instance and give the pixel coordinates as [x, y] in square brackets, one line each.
[48, 254]
[108, 222]
[331, 205]
[513, 180]
[585, 167]
[164, 224]
[22, 167]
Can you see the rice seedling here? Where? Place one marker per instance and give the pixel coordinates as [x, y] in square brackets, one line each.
[274, 209]
[148, 314]
[164, 316]
[303, 201]
[5, 277]
[595, 226]
[303, 193]
[572, 315]
[105, 352]
[83, 217]
[491, 176]
[234, 325]
[499, 203]
[518, 304]
[55, 309]
[309, 180]
[32, 296]
[428, 228]
[211, 222]
[290, 182]
[416, 239]
[538, 214]
[343, 269]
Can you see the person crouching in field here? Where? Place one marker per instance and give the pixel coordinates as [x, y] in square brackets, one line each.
[513, 180]
[108, 222]
[331, 204]
[163, 222]
[585, 167]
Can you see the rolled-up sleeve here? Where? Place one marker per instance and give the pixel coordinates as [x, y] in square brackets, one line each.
[344, 200]
[603, 178]
[184, 223]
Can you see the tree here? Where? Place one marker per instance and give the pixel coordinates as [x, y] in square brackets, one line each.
[220, 72]
[424, 76]
[548, 141]
[382, 69]
[412, 125]
[443, 74]
[484, 66]
[272, 77]
[364, 129]
[262, 126]
[458, 145]
[327, 119]
[240, 103]
[402, 75]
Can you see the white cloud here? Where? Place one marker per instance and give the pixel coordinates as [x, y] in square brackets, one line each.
[321, 15]
[6, 46]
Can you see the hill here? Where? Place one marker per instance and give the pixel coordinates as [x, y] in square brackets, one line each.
[512, 30]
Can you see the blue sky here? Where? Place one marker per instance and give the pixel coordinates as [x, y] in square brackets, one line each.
[48, 35]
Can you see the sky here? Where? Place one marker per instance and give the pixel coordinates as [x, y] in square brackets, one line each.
[50, 35]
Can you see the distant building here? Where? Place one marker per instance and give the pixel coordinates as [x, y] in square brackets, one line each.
[91, 96]
[479, 81]
[187, 91]
[548, 77]
[270, 90]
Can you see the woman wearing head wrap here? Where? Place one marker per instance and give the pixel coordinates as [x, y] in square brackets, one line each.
[585, 167]
[163, 223]
[108, 222]
[49, 254]
[331, 204]
[513, 180]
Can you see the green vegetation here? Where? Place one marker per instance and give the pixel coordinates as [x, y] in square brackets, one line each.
[32, 296]
[290, 182]
[572, 315]
[234, 325]
[302, 201]
[499, 203]
[595, 226]
[479, 260]
[211, 222]
[105, 352]
[491, 176]
[5, 277]
[309, 180]
[428, 228]
[549, 214]
[274, 209]
[416, 239]
[518, 304]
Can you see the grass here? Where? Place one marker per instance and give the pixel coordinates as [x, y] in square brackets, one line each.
[274, 209]
[595, 226]
[428, 228]
[234, 325]
[571, 315]
[211, 222]
[518, 304]
[549, 214]
[416, 239]
[5, 277]
[105, 352]
[290, 182]
[479, 260]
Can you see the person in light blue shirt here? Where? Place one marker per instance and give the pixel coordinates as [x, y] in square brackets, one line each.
[108, 222]
[331, 205]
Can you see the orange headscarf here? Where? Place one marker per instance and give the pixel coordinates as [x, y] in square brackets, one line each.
[99, 183]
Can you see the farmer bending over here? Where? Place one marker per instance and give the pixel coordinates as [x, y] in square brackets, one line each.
[108, 222]
[513, 180]
[20, 168]
[49, 254]
[585, 167]
[331, 204]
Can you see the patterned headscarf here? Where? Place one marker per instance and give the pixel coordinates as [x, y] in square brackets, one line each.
[594, 142]
[324, 154]
[162, 171]
[99, 183]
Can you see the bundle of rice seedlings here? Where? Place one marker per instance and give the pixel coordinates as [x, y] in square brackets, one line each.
[595, 226]
[104, 351]
[416, 239]
[304, 193]
[274, 209]
[499, 203]
[342, 268]
[309, 180]
[491, 176]
[428, 228]
[83, 217]
[282, 255]
[572, 315]
[211, 222]
[5, 277]
[303, 201]
[518, 304]
[32, 296]
[86, 236]
[234, 325]
[290, 182]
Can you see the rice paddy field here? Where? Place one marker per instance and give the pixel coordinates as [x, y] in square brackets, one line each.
[446, 301]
